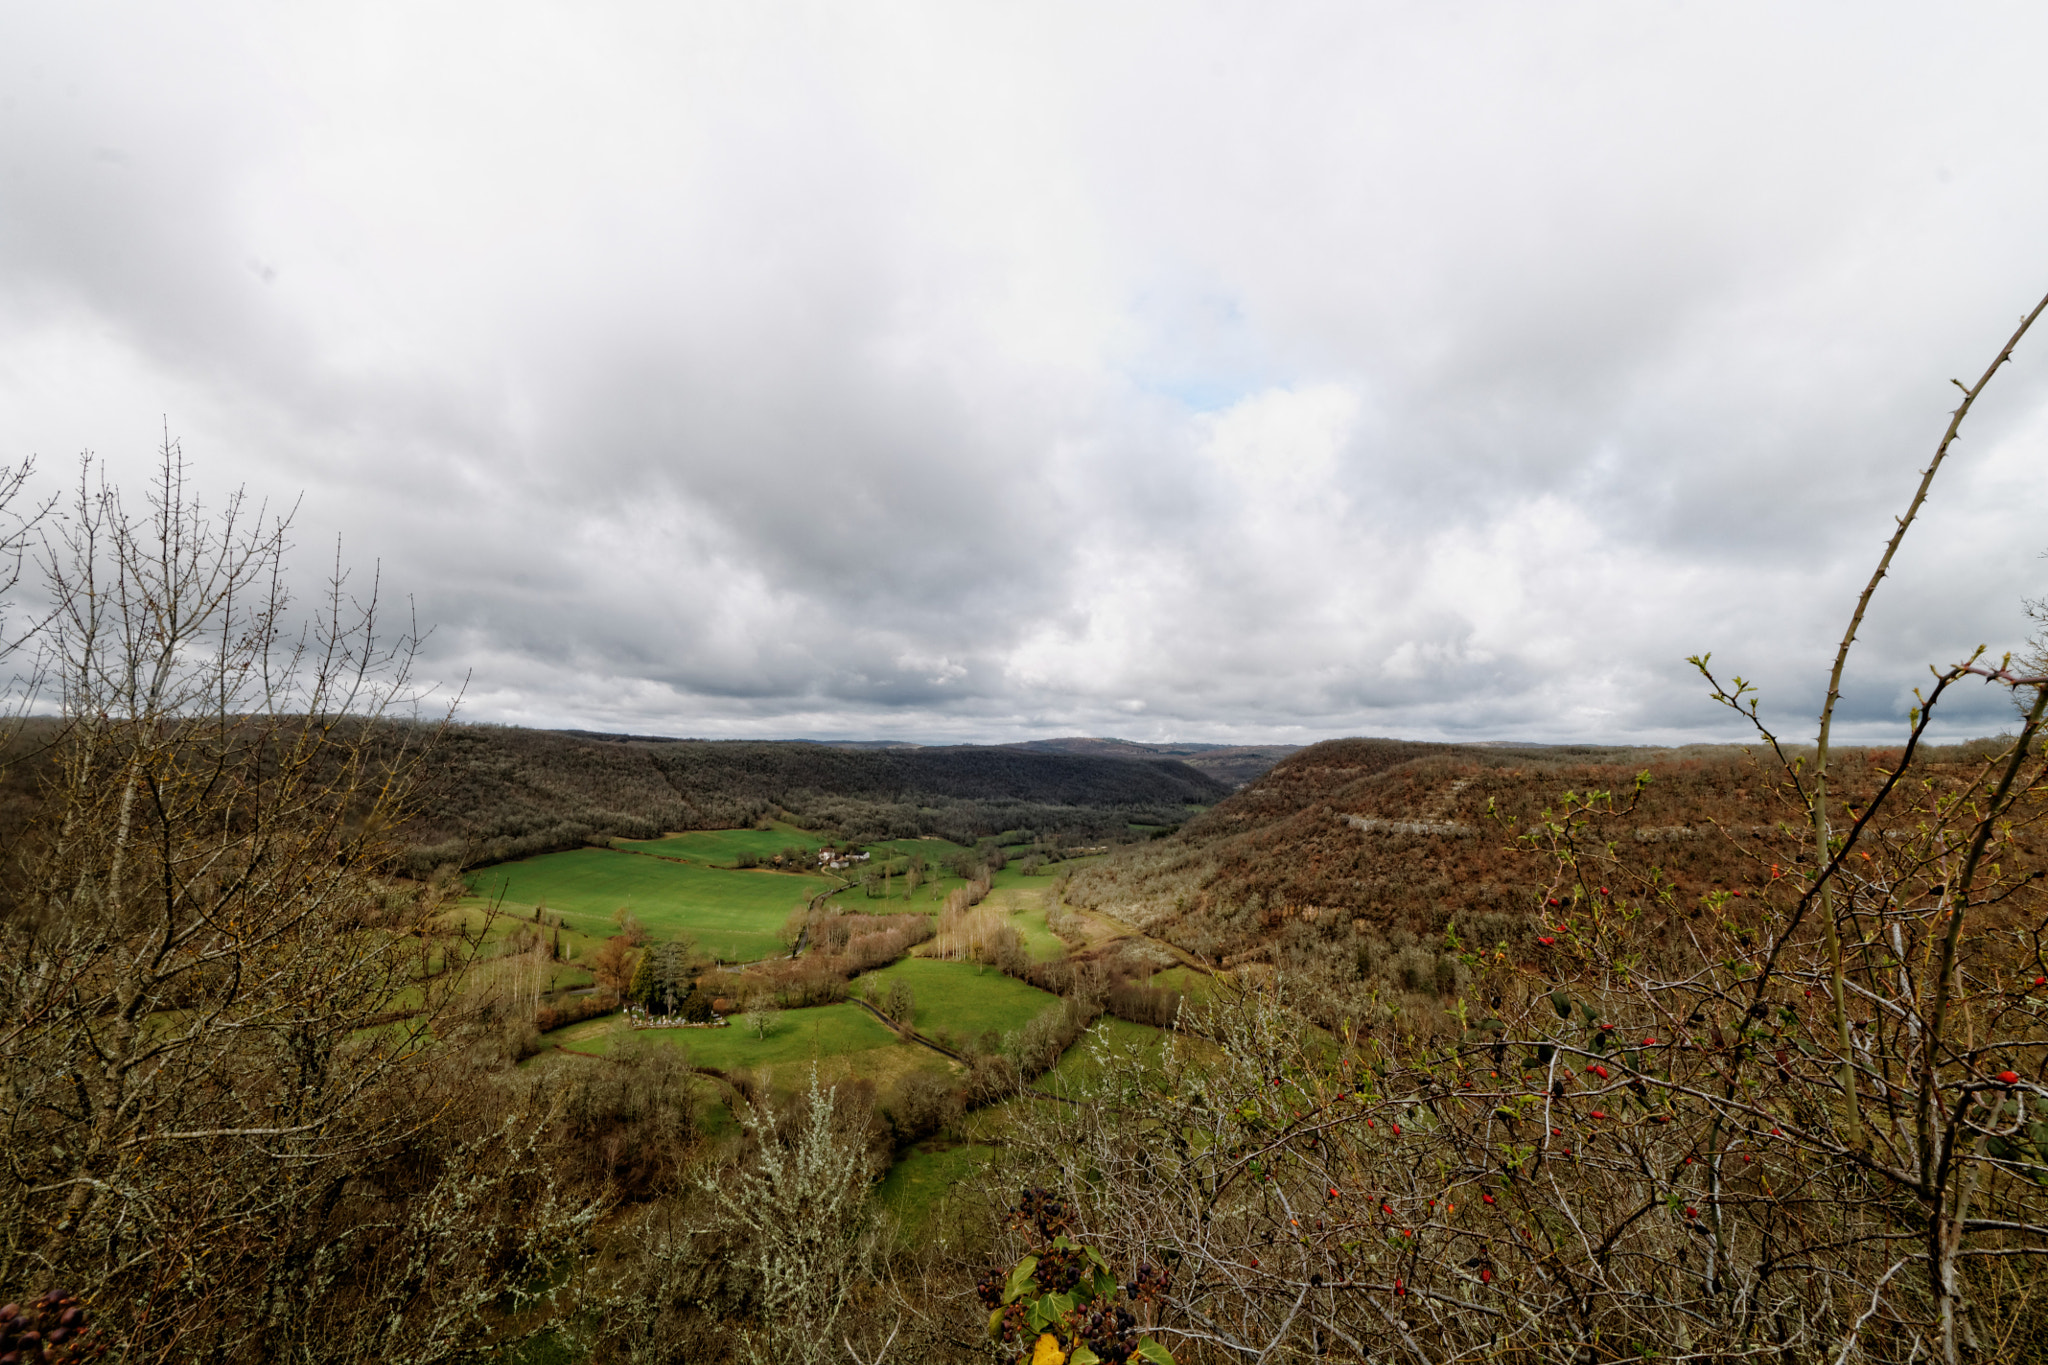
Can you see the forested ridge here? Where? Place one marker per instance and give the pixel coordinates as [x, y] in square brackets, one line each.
[489, 793]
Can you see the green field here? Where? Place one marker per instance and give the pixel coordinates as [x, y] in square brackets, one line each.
[1080, 1068]
[1197, 988]
[963, 999]
[734, 915]
[932, 850]
[798, 1036]
[841, 1040]
[724, 846]
[921, 1180]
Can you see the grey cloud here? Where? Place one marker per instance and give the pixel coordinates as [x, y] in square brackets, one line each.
[1163, 372]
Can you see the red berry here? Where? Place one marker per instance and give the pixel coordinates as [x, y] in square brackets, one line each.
[1487, 1197]
[1691, 1212]
[1546, 942]
[2009, 1077]
[1599, 1114]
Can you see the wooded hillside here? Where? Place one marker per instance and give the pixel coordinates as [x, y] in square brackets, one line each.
[492, 793]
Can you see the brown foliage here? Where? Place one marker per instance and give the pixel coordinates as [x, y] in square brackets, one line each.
[612, 964]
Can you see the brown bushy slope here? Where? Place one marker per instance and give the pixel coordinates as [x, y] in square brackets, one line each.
[1373, 868]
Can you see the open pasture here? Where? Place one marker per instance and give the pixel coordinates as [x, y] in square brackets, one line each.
[963, 999]
[1081, 1066]
[723, 847]
[733, 915]
[844, 1041]
[933, 850]
[921, 1180]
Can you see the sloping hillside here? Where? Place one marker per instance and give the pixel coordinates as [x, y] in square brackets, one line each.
[1233, 765]
[492, 793]
[1371, 867]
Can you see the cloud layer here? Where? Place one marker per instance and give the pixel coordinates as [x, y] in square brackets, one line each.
[948, 371]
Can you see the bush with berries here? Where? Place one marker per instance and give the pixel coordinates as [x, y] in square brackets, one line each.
[50, 1330]
[1062, 1304]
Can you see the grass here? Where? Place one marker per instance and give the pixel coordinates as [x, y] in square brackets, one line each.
[932, 850]
[963, 999]
[1026, 911]
[736, 916]
[1198, 988]
[843, 1041]
[1080, 1067]
[724, 846]
[916, 1187]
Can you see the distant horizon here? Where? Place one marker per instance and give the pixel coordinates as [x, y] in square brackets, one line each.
[949, 371]
[1204, 746]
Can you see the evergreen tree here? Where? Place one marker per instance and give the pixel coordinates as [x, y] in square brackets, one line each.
[643, 980]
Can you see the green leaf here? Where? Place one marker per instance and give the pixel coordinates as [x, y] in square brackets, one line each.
[1096, 1257]
[995, 1322]
[1081, 1355]
[1154, 1352]
[1050, 1309]
[1020, 1279]
[1561, 1002]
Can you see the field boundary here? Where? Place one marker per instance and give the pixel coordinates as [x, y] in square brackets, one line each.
[908, 1033]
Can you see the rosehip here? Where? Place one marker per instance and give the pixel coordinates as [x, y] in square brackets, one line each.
[2009, 1077]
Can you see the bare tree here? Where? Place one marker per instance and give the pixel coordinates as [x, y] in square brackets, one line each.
[226, 1047]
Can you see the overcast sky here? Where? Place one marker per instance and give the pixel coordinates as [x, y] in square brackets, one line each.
[955, 371]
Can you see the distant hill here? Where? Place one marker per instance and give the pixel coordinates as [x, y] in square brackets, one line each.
[1231, 764]
[1351, 862]
[499, 792]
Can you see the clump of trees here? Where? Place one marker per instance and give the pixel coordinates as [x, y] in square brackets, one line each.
[228, 1031]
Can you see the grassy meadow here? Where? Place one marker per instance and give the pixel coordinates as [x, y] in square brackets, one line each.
[963, 999]
[736, 916]
[724, 847]
[690, 887]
